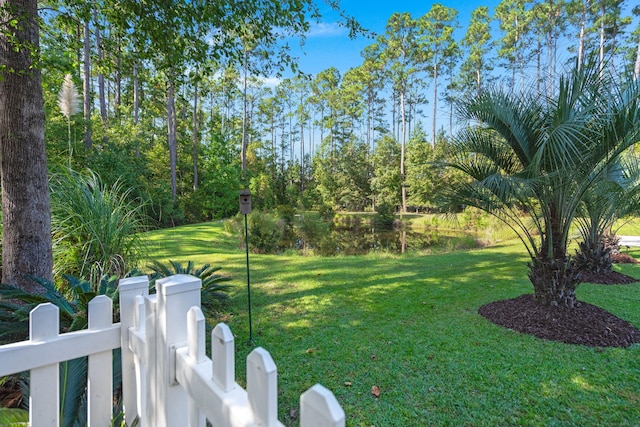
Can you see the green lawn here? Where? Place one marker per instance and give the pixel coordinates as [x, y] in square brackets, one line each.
[409, 325]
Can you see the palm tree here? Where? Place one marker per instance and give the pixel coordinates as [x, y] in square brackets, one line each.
[615, 195]
[531, 159]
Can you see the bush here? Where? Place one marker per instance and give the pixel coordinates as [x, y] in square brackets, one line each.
[385, 214]
[265, 233]
[311, 228]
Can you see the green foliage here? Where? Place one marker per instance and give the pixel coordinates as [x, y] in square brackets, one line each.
[213, 293]
[311, 228]
[95, 227]
[265, 233]
[14, 417]
[386, 181]
[385, 214]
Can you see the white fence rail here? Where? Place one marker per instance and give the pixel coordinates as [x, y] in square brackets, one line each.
[167, 379]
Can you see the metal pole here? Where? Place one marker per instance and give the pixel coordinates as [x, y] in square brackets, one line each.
[246, 246]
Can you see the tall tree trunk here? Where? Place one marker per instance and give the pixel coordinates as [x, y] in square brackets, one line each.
[26, 239]
[243, 148]
[172, 137]
[136, 104]
[86, 86]
[101, 91]
[636, 69]
[118, 99]
[403, 183]
[435, 99]
[195, 134]
[583, 23]
[602, 29]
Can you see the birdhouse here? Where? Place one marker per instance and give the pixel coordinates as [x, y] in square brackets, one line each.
[245, 202]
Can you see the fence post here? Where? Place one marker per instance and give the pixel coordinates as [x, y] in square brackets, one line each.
[196, 352]
[262, 387]
[44, 398]
[320, 408]
[100, 366]
[175, 296]
[129, 289]
[223, 357]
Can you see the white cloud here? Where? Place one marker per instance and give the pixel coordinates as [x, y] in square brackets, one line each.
[326, 29]
[270, 81]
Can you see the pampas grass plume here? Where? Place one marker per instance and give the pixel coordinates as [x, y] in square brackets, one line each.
[68, 98]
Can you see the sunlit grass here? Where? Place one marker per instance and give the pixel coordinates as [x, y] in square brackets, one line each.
[409, 325]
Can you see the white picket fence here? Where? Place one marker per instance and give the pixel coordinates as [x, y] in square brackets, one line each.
[167, 379]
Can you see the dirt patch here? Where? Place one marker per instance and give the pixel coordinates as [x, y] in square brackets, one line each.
[584, 324]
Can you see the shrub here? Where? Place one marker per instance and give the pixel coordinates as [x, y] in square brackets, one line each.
[385, 214]
[265, 233]
[95, 227]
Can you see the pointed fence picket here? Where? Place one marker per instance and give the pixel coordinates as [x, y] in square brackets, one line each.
[167, 378]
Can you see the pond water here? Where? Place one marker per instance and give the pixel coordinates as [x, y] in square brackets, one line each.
[365, 239]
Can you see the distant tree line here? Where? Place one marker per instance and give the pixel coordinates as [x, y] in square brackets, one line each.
[176, 120]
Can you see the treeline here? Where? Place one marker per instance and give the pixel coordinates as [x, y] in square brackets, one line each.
[174, 102]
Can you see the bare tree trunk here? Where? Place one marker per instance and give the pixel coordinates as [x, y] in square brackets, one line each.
[136, 104]
[583, 23]
[602, 10]
[171, 131]
[86, 87]
[243, 152]
[118, 99]
[101, 92]
[435, 99]
[403, 184]
[195, 134]
[26, 239]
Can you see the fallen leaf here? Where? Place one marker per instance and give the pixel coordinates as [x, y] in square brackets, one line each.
[293, 414]
[311, 350]
[347, 383]
[375, 390]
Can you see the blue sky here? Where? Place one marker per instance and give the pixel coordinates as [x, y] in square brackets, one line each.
[329, 45]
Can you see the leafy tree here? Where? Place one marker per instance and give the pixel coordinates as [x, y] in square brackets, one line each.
[437, 27]
[515, 21]
[477, 43]
[403, 57]
[385, 183]
[539, 156]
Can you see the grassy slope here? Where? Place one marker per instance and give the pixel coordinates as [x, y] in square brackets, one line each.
[409, 325]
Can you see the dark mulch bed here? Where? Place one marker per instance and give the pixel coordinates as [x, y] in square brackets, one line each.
[610, 278]
[622, 258]
[584, 324]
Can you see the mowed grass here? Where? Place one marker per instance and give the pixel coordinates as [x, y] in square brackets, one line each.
[409, 325]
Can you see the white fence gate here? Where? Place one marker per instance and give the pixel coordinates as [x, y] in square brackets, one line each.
[167, 379]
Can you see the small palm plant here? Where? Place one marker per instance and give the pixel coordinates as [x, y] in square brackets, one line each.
[214, 292]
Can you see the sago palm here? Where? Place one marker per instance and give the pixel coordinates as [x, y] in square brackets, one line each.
[531, 159]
